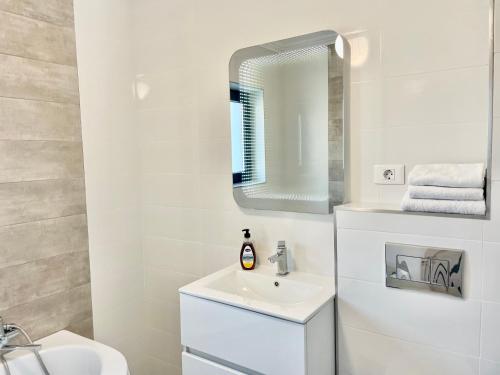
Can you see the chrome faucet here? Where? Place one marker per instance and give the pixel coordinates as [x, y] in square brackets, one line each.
[281, 257]
[9, 332]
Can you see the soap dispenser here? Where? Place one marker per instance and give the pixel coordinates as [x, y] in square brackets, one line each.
[247, 254]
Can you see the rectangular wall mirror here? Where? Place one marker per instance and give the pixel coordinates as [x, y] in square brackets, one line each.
[289, 123]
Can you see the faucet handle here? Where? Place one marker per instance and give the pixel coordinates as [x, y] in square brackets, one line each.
[281, 245]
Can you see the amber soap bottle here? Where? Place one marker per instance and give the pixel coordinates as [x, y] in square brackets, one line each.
[247, 254]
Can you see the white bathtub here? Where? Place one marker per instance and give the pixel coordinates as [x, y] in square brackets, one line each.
[65, 353]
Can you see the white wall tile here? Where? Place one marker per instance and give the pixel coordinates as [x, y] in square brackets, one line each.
[171, 90]
[215, 156]
[161, 285]
[491, 232]
[172, 222]
[169, 157]
[491, 276]
[176, 190]
[489, 368]
[164, 346]
[497, 29]
[173, 255]
[496, 84]
[434, 45]
[167, 124]
[162, 315]
[444, 97]
[216, 257]
[430, 319]
[366, 100]
[404, 223]
[366, 47]
[216, 192]
[365, 353]
[431, 149]
[490, 335]
[495, 171]
[112, 171]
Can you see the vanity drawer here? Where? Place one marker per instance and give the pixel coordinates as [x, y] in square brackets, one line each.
[251, 340]
[193, 365]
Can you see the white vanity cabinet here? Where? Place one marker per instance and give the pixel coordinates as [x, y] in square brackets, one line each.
[220, 339]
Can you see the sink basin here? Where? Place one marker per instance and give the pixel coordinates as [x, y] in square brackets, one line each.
[295, 297]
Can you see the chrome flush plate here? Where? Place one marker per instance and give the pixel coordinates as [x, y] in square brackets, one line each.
[424, 268]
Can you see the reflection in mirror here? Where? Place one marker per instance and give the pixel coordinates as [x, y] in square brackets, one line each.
[288, 123]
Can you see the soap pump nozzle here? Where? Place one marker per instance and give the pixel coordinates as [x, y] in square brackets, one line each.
[247, 233]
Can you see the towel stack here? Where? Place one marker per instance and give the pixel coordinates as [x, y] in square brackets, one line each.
[446, 188]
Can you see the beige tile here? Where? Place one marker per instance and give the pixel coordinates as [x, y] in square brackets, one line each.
[23, 243]
[83, 327]
[25, 37]
[40, 160]
[70, 309]
[43, 278]
[59, 12]
[37, 200]
[35, 120]
[29, 79]
[155, 366]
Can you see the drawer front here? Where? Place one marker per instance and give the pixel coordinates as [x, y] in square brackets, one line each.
[255, 341]
[193, 365]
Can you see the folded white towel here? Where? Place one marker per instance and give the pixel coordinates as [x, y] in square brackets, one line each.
[446, 193]
[450, 175]
[443, 206]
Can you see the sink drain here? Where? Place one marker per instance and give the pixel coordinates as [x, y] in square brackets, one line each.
[276, 284]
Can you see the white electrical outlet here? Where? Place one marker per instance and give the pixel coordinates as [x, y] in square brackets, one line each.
[389, 174]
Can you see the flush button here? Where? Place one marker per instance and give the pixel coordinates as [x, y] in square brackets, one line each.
[413, 268]
[424, 268]
[440, 272]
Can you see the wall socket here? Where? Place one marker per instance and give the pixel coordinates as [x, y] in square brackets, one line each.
[389, 174]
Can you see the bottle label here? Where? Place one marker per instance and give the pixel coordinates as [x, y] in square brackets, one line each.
[247, 259]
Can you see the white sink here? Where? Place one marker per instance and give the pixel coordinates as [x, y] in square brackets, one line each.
[295, 297]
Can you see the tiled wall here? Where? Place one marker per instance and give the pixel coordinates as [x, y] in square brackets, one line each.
[405, 86]
[384, 330]
[44, 266]
[420, 89]
[111, 152]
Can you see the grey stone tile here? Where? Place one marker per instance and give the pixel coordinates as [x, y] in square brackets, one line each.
[27, 242]
[83, 328]
[22, 202]
[29, 281]
[71, 309]
[59, 12]
[38, 80]
[26, 37]
[33, 120]
[40, 160]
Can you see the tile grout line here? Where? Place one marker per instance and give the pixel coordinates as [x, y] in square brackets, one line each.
[75, 67]
[66, 26]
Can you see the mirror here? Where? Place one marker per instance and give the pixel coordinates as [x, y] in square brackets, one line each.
[288, 105]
